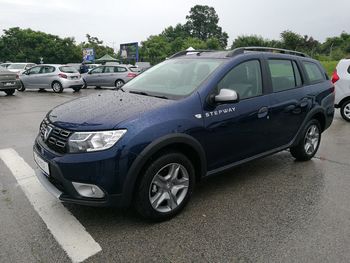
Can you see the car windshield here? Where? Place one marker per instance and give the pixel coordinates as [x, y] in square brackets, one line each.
[17, 66]
[174, 78]
[68, 69]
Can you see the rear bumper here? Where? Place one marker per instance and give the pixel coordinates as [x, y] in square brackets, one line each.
[70, 83]
[16, 85]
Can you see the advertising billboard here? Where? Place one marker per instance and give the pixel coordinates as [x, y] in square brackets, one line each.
[88, 54]
[130, 51]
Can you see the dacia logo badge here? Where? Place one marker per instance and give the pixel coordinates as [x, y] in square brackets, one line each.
[47, 132]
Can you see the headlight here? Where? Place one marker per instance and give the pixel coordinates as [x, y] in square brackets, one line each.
[94, 141]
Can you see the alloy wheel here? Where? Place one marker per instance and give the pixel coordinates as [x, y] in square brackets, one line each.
[312, 139]
[169, 187]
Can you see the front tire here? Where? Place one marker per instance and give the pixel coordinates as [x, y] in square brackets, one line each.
[57, 87]
[85, 85]
[165, 187]
[345, 110]
[309, 143]
[21, 88]
[10, 92]
[119, 83]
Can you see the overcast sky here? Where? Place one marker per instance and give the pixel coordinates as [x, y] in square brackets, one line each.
[117, 22]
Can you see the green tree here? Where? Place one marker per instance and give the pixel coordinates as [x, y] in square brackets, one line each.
[97, 45]
[202, 23]
[250, 41]
[21, 45]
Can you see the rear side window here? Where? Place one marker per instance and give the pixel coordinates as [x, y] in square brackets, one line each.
[121, 69]
[245, 79]
[285, 74]
[68, 69]
[313, 72]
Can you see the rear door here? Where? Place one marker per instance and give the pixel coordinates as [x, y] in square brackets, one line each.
[47, 76]
[109, 76]
[289, 103]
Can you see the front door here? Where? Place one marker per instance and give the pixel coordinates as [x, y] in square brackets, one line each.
[31, 77]
[237, 131]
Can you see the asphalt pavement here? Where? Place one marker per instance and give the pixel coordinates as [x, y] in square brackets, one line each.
[270, 210]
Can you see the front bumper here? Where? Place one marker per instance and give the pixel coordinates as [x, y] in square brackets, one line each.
[97, 169]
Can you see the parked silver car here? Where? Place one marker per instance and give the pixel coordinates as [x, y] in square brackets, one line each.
[9, 81]
[108, 76]
[57, 77]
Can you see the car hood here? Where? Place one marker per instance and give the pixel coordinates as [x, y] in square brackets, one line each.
[103, 111]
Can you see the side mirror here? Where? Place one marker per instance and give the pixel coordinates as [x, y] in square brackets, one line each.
[226, 96]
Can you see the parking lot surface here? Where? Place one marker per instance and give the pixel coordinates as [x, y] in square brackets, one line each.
[270, 210]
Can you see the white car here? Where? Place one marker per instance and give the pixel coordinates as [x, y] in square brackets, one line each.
[341, 80]
[20, 67]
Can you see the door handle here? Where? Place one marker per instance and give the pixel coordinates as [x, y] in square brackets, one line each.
[304, 102]
[262, 113]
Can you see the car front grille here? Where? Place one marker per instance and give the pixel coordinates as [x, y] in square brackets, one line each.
[55, 138]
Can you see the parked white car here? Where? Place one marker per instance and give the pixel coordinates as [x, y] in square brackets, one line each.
[20, 67]
[341, 80]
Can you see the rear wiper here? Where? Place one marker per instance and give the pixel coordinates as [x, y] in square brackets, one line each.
[147, 94]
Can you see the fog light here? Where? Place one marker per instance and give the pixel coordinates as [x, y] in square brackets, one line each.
[88, 190]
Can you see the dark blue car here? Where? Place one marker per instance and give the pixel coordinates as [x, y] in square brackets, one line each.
[193, 115]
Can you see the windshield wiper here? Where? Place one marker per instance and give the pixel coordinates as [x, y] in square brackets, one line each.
[147, 94]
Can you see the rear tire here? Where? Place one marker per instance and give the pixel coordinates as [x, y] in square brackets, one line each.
[21, 88]
[76, 89]
[165, 187]
[345, 110]
[10, 92]
[309, 142]
[57, 87]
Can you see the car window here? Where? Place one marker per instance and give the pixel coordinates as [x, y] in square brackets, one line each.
[313, 72]
[245, 79]
[174, 78]
[284, 74]
[121, 69]
[97, 70]
[34, 70]
[68, 69]
[109, 70]
[47, 69]
[17, 66]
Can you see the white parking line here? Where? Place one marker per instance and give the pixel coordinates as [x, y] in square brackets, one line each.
[66, 229]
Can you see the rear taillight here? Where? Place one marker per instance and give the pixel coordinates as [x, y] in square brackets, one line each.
[132, 75]
[61, 75]
[335, 77]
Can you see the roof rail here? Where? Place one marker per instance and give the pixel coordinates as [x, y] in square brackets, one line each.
[241, 50]
[184, 52]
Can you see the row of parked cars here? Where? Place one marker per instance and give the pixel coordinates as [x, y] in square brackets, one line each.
[22, 76]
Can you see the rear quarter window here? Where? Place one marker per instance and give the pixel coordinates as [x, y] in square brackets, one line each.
[285, 74]
[313, 72]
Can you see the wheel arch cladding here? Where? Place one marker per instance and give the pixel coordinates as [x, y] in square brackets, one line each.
[182, 143]
[321, 119]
